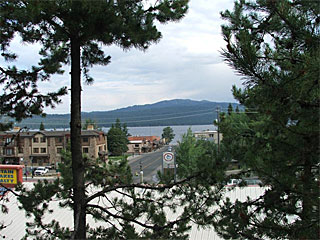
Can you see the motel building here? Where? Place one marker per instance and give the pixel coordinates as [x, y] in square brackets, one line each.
[44, 148]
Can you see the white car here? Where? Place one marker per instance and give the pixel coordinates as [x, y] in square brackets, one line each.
[41, 171]
[234, 182]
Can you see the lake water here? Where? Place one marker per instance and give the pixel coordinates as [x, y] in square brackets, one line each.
[158, 130]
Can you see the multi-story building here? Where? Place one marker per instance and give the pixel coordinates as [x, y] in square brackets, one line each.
[43, 148]
[142, 144]
[208, 135]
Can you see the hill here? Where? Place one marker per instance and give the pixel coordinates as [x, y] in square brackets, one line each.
[164, 113]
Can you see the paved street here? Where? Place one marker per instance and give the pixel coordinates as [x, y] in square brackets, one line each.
[150, 162]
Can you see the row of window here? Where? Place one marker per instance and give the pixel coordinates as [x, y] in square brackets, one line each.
[101, 148]
[39, 139]
[39, 150]
[9, 151]
[59, 139]
[43, 140]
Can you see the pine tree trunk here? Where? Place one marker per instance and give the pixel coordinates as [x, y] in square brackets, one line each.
[77, 161]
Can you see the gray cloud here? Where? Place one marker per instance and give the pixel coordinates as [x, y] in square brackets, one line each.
[186, 63]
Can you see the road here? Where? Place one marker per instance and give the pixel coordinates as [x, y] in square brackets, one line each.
[151, 163]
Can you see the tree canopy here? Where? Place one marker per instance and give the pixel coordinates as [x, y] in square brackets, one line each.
[89, 122]
[168, 134]
[117, 139]
[275, 46]
[73, 32]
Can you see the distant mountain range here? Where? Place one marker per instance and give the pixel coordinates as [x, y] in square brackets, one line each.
[164, 113]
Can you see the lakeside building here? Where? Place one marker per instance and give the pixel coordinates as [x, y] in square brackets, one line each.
[43, 148]
[208, 135]
[143, 144]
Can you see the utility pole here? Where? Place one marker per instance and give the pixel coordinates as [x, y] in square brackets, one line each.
[218, 122]
[141, 173]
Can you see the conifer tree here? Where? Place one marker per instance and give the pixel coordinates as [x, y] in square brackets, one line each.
[230, 109]
[168, 134]
[275, 46]
[41, 127]
[117, 139]
[72, 32]
[89, 122]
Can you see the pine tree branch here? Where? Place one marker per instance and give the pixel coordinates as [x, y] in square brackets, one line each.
[143, 186]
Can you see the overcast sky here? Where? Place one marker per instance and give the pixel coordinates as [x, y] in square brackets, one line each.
[185, 64]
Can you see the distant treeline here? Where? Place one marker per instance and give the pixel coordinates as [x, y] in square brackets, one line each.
[165, 113]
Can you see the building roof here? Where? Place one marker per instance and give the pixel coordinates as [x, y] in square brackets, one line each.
[16, 218]
[135, 141]
[144, 138]
[205, 132]
[52, 133]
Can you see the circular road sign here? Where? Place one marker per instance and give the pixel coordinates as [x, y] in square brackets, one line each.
[168, 156]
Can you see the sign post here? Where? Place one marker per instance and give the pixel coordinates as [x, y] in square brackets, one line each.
[168, 164]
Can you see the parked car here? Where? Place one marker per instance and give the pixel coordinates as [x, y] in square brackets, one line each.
[41, 171]
[253, 182]
[233, 182]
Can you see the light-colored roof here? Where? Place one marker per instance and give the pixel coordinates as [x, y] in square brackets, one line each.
[205, 132]
[16, 218]
[135, 142]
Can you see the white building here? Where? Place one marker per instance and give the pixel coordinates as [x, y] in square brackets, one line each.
[208, 135]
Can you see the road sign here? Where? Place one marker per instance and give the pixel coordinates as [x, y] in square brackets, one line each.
[168, 160]
[10, 175]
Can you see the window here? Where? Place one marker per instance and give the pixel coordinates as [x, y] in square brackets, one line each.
[43, 139]
[8, 140]
[35, 140]
[36, 150]
[20, 150]
[9, 151]
[136, 145]
[43, 150]
[85, 139]
[100, 149]
[59, 150]
[60, 140]
[85, 150]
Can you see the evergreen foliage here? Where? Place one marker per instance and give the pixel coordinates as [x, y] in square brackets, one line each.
[168, 134]
[89, 122]
[275, 46]
[117, 139]
[73, 32]
[230, 109]
[41, 127]
[195, 156]
[122, 209]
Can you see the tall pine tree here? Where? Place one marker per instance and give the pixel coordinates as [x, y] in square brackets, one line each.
[73, 32]
[275, 46]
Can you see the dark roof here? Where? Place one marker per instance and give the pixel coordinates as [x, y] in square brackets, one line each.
[52, 133]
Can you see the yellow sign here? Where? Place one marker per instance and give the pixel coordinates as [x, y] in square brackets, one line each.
[8, 176]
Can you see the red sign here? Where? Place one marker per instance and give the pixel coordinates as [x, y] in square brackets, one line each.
[10, 175]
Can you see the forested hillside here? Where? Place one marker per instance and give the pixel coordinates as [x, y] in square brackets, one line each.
[171, 112]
